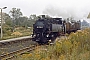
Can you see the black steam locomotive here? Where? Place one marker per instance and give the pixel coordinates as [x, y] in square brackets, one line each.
[47, 29]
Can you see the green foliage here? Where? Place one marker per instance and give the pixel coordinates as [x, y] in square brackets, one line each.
[32, 20]
[19, 20]
[15, 13]
[19, 32]
[22, 21]
[7, 30]
[7, 19]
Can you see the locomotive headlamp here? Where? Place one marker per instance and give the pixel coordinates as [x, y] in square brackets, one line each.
[47, 35]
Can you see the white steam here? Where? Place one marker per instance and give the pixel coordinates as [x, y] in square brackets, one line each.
[65, 12]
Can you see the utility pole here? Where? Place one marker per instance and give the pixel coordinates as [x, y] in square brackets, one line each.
[2, 22]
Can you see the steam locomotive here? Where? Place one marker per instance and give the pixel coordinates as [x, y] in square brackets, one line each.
[47, 29]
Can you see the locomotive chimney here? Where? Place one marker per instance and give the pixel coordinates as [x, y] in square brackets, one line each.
[43, 16]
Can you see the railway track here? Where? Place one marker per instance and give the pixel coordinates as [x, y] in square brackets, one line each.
[14, 53]
[10, 48]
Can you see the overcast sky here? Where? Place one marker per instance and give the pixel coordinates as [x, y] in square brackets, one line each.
[73, 8]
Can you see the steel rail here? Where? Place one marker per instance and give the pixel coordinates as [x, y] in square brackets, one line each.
[14, 53]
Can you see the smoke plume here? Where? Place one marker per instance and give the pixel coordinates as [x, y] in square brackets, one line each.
[66, 12]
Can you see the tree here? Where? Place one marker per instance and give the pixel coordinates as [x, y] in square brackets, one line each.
[22, 21]
[7, 19]
[15, 14]
[32, 19]
[88, 15]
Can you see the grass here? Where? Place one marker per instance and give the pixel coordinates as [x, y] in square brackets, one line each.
[75, 47]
